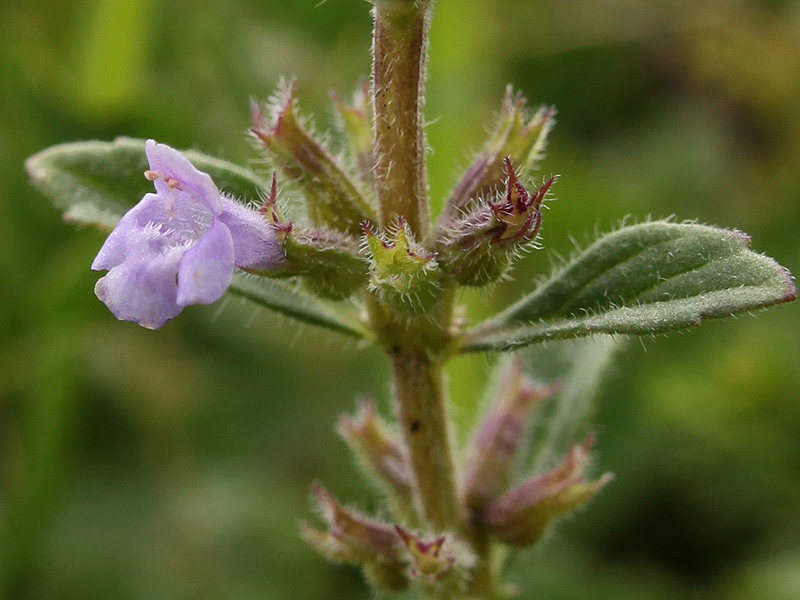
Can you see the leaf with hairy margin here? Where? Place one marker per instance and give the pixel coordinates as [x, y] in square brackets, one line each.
[286, 299]
[648, 278]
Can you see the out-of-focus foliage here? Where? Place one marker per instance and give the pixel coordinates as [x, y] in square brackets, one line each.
[175, 464]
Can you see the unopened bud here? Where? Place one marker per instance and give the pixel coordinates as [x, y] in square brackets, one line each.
[444, 556]
[329, 546]
[496, 442]
[332, 198]
[480, 247]
[356, 124]
[402, 273]
[381, 455]
[356, 531]
[356, 539]
[518, 135]
[521, 516]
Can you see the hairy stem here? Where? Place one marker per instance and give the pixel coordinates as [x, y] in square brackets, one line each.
[422, 410]
[417, 347]
[400, 47]
[482, 584]
[417, 351]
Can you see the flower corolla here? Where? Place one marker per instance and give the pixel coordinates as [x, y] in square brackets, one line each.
[179, 246]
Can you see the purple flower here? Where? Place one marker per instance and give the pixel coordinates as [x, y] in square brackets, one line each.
[180, 245]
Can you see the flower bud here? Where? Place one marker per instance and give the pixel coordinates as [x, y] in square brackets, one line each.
[332, 198]
[521, 516]
[479, 247]
[495, 443]
[381, 456]
[519, 136]
[357, 532]
[355, 539]
[427, 558]
[356, 124]
[431, 562]
[329, 546]
[402, 273]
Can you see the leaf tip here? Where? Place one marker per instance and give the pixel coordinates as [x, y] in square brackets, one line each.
[33, 167]
[742, 236]
[791, 287]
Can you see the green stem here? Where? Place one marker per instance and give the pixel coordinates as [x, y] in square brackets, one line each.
[422, 411]
[400, 46]
[418, 349]
[482, 584]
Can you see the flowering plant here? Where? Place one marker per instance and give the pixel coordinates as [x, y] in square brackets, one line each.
[362, 256]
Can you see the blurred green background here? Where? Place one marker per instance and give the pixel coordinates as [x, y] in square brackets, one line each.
[175, 464]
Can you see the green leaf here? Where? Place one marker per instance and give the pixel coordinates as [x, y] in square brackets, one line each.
[288, 300]
[95, 183]
[643, 279]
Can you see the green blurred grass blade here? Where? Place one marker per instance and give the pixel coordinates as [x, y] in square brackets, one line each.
[580, 366]
[110, 55]
[643, 279]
